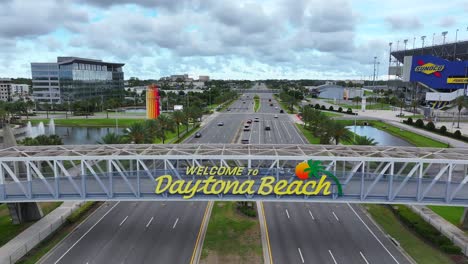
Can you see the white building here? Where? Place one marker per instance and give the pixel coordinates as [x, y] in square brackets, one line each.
[5, 89]
[19, 89]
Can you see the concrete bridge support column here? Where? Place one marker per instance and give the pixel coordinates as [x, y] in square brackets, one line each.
[20, 212]
[24, 212]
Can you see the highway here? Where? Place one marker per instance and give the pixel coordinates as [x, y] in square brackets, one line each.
[147, 232]
[166, 232]
[314, 232]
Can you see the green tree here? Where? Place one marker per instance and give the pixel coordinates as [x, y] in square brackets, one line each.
[137, 133]
[42, 140]
[178, 117]
[338, 131]
[46, 107]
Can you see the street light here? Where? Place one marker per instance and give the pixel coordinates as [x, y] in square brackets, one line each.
[422, 39]
[455, 45]
[443, 35]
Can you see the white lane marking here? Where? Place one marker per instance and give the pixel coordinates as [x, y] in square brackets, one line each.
[287, 130]
[311, 215]
[123, 221]
[296, 130]
[362, 255]
[336, 217]
[287, 213]
[331, 254]
[89, 230]
[149, 223]
[368, 228]
[175, 223]
[279, 133]
[300, 254]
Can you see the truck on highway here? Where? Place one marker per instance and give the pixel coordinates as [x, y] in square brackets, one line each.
[245, 137]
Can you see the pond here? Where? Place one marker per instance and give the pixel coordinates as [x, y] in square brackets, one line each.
[84, 135]
[383, 138]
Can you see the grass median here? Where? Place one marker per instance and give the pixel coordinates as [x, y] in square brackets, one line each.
[231, 237]
[257, 103]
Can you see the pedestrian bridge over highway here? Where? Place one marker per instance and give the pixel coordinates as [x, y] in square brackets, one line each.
[364, 174]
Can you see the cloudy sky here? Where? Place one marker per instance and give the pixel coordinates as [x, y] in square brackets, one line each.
[242, 39]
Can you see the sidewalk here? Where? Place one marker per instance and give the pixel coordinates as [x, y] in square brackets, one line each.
[16, 248]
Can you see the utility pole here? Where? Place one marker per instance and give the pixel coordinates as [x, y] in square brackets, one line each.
[443, 35]
[373, 78]
[422, 47]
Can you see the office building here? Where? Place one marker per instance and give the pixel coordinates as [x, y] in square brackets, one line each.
[5, 89]
[203, 78]
[19, 89]
[73, 79]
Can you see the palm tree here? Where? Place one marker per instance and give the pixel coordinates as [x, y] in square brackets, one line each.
[112, 138]
[339, 132]
[356, 100]
[460, 102]
[316, 170]
[364, 140]
[414, 104]
[47, 108]
[166, 122]
[137, 133]
[178, 117]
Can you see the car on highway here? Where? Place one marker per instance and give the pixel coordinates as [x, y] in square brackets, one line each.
[256, 119]
[243, 102]
[198, 135]
[276, 116]
[276, 107]
[271, 104]
[267, 125]
[220, 123]
[229, 109]
[246, 127]
[249, 121]
[281, 111]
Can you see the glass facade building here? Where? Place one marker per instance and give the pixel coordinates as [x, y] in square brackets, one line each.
[73, 79]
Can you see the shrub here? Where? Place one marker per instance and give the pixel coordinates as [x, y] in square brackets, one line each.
[457, 134]
[409, 121]
[349, 111]
[323, 107]
[317, 106]
[340, 109]
[419, 123]
[443, 130]
[331, 108]
[430, 126]
[248, 211]
[78, 213]
[451, 249]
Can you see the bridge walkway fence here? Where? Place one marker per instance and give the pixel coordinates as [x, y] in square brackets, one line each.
[366, 174]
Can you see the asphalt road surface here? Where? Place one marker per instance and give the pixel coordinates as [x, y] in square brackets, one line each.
[147, 232]
[166, 232]
[314, 232]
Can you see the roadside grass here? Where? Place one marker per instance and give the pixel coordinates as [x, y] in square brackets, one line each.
[90, 122]
[35, 254]
[331, 114]
[8, 230]
[231, 234]
[308, 134]
[227, 104]
[413, 245]
[283, 105]
[452, 214]
[413, 138]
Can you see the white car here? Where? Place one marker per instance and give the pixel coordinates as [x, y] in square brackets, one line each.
[276, 116]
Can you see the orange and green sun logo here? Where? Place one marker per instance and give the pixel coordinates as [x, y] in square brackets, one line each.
[315, 169]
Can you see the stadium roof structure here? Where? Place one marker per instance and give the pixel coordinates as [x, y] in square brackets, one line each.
[446, 51]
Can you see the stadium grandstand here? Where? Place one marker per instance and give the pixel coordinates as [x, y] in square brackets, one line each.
[434, 75]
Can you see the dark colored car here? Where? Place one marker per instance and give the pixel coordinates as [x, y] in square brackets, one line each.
[249, 121]
[256, 119]
[198, 134]
[220, 123]
[281, 111]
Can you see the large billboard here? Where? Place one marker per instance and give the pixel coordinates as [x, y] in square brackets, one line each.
[438, 73]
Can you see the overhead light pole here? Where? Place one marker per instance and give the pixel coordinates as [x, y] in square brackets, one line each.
[455, 45]
[443, 35]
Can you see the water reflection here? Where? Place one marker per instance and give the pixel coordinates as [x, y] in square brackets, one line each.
[84, 135]
[383, 138]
